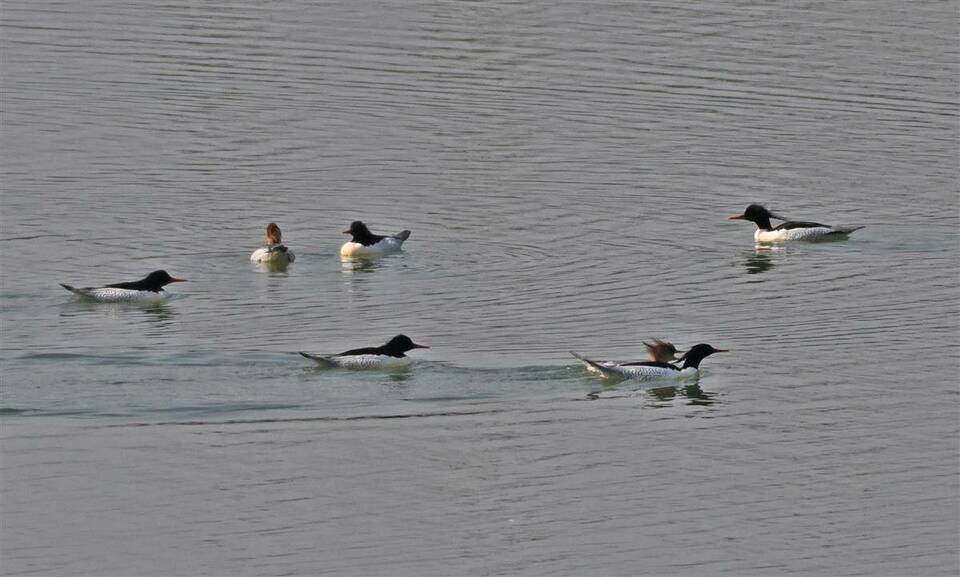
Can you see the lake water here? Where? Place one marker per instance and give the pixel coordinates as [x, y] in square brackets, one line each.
[566, 169]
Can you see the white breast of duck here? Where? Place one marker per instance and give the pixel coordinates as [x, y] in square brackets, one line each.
[272, 254]
[366, 244]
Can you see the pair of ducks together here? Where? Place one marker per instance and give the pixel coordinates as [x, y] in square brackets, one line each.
[662, 354]
[362, 244]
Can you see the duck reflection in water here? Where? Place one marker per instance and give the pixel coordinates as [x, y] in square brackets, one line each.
[693, 393]
[758, 261]
[359, 264]
[690, 391]
[149, 312]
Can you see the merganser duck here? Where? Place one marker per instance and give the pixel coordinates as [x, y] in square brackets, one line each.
[660, 352]
[645, 371]
[274, 252]
[147, 289]
[390, 355]
[367, 244]
[792, 229]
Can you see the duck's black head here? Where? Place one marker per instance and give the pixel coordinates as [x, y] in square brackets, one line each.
[759, 215]
[153, 282]
[160, 279]
[697, 353]
[401, 344]
[359, 231]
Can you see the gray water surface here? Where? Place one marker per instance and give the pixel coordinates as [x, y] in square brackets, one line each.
[566, 169]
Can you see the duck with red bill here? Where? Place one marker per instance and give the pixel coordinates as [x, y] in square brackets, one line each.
[147, 289]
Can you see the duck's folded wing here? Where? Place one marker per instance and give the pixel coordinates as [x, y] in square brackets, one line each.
[657, 364]
[789, 225]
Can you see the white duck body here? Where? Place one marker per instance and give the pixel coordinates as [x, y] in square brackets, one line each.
[803, 233]
[364, 243]
[147, 289]
[362, 361]
[114, 295]
[387, 245]
[278, 254]
[637, 371]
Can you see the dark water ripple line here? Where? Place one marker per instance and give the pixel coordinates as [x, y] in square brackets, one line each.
[284, 420]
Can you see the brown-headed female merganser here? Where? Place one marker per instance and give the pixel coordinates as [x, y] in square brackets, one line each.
[274, 252]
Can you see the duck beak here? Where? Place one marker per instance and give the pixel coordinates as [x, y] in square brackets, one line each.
[721, 350]
[416, 346]
[346, 232]
[738, 217]
[178, 280]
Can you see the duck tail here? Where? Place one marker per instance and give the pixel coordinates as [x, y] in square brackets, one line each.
[321, 360]
[845, 230]
[75, 290]
[593, 365]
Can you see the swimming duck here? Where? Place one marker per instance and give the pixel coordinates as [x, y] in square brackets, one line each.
[274, 252]
[390, 355]
[648, 370]
[660, 352]
[147, 289]
[790, 230]
[366, 244]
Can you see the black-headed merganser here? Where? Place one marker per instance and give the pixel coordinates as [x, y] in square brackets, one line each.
[147, 289]
[274, 252]
[390, 355]
[791, 229]
[366, 244]
[648, 370]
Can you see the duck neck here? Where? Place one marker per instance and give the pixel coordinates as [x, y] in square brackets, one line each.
[763, 223]
[393, 352]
